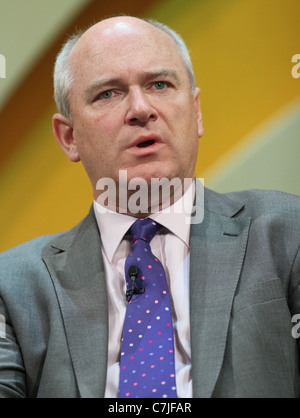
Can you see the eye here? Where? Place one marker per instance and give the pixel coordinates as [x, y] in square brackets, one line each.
[105, 95]
[160, 85]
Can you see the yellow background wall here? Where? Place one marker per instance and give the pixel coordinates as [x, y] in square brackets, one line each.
[242, 52]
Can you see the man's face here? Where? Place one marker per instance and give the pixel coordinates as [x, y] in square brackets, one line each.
[131, 103]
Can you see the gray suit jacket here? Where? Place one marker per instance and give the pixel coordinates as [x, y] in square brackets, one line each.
[244, 290]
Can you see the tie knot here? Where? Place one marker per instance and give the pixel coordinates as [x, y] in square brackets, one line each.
[144, 229]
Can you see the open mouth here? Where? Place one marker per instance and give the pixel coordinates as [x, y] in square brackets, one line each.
[146, 144]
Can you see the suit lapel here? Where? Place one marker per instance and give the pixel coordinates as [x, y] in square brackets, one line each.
[218, 247]
[75, 265]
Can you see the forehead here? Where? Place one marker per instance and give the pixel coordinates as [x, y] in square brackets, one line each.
[109, 50]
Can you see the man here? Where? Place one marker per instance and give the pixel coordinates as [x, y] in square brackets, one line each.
[130, 111]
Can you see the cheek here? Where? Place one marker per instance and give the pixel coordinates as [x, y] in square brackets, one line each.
[186, 129]
[188, 139]
[96, 147]
[93, 133]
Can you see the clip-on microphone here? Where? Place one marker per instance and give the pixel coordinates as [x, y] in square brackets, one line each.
[133, 273]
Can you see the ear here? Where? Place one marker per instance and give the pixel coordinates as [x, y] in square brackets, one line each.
[63, 132]
[198, 112]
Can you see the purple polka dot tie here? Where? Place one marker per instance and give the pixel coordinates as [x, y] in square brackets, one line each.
[147, 366]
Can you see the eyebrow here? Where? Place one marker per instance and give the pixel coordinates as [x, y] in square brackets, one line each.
[168, 72]
[99, 84]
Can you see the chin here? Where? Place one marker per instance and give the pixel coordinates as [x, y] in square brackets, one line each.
[158, 170]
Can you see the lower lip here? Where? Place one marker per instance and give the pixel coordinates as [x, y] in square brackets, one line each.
[140, 151]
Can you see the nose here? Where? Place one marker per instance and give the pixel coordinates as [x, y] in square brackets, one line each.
[140, 109]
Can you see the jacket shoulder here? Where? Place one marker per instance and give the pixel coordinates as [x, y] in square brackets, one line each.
[23, 255]
[27, 258]
[258, 202]
[33, 249]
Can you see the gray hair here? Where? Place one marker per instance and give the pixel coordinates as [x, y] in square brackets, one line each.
[63, 78]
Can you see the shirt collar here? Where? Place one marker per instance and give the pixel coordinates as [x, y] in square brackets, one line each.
[176, 218]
